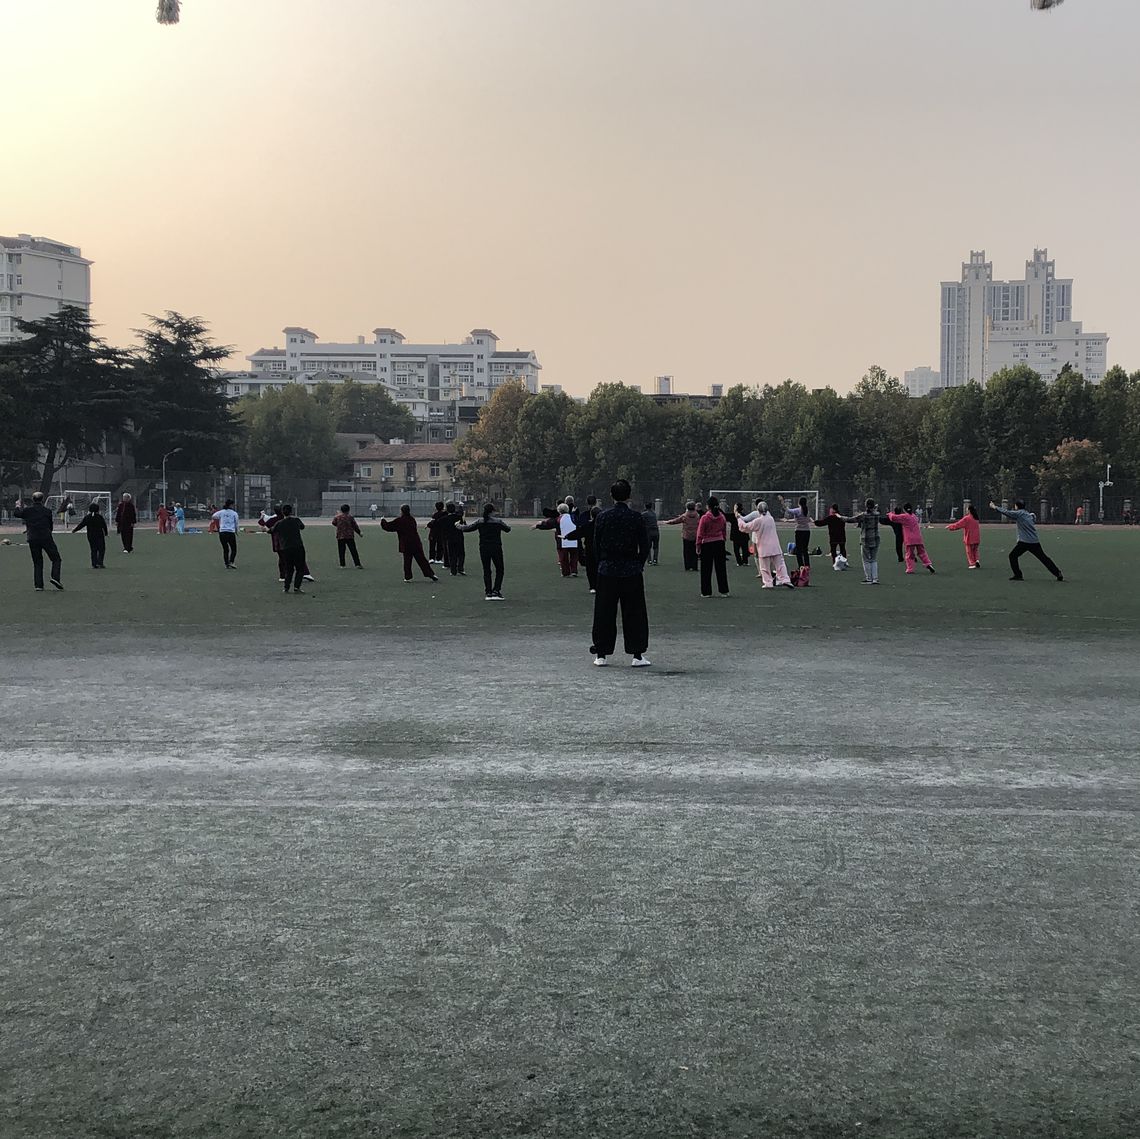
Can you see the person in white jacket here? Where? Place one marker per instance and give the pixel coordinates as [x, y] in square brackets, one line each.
[766, 542]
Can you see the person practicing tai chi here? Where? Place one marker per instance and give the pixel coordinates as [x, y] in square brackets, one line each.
[771, 568]
[126, 518]
[1028, 541]
[868, 521]
[589, 557]
[288, 530]
[227, 520]
[346, 531]
[971, 535]
[410, 545]
[96, 526]
[836, 531]
[179, 519]
[455, 552]
[568, 548]
[803, 520]
[437, 544]
[712, 534]
[623, 549]
[912, 537]
[38, 521]
[164, 515]
[740, 539]
[653, 530]
[266, 522]
[490, 529]
[688, 521]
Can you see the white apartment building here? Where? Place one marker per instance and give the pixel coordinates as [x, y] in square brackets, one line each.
[922, 381]
[982, 319]
[37, 277]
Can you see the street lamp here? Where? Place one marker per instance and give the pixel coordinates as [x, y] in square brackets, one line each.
[1106, 481]
[164, 458]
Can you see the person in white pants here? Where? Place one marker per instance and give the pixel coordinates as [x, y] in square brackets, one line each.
[766, 541]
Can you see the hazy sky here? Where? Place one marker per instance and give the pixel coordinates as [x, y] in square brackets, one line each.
[724, 190]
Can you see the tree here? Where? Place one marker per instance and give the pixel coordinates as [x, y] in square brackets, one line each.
[365, 408]
[1016, 420]
[1069, 466]
[488, 452]
[1072, 402]
[69, 389]
[951, 436]
[544, 456]
[289, 435]
[884, 425]
[181, 398]
[1117, 399]
[611, 437]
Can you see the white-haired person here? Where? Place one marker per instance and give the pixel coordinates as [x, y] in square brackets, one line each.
[568, 549]
[126, 517]
[771, 568]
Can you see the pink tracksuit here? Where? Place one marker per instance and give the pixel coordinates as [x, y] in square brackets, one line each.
[912, 539]
[971, 536]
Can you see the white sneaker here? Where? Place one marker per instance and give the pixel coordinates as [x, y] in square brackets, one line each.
[309, 577]
[593, 591]
[641, 662]
[600, 662]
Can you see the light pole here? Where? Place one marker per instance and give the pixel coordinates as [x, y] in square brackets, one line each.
[164, 458]
[1106, 481]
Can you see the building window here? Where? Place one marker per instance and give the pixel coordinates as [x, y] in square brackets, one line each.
[433, 470]
[364, 473]
[449, 433]
[389, 470]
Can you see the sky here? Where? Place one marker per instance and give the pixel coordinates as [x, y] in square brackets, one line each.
[726, 191]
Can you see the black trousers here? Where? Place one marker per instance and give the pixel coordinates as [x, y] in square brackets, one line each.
[628, 594]
[689, 553]
[1035, 549]
[740, 548]
[435, 546]
[294, 567]
[590, 561]
[898, 540]
[491, 558]
[654, 547]
[37, 549]
[98, 545]
[127, 534]
[838, 548]
[229, 546]
[348, 544]
[416, 553]
[714, 556]
[803, 541]
[456, 554]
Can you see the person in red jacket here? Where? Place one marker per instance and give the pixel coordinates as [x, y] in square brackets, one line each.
[125, 518]
[971, 535]
[346, 531]
[411, 546]
[712, 531]
[912, 537]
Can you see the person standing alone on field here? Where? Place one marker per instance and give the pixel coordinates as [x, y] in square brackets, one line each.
[623, 548]
[125, 519]
[96, 526]
[38, 521]
[1027, 541]
[912, 537]
[491, 529]
[971, 535]
[288, 530]
[227, 520]
[346, 531]
[688, 521]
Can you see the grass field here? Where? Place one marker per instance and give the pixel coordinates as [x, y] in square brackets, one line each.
[392, 860]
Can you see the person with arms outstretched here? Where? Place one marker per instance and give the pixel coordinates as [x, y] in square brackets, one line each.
[971, 535]
[912, 537]
[96, 526]
[288, 530]
[1028, 541]
[410, 545]
[346, 530]
[491, 529]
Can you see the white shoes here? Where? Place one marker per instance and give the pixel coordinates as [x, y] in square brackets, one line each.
[641, 662]
[600, 662]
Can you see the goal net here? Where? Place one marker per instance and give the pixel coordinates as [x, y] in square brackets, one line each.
[729, 498]
[73, 504]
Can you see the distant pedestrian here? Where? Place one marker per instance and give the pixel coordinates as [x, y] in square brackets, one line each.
[712, 534]
[689, 520]
[126, 518]
[741, 539]
[96, 526]
[568, 549]
[346, 531]
[38, 521]
[971, 535]
[1080, 516]
[761, 526]
[163, 518]
[653, 531]
[803, 521]
[912, 537]
[179, 518]
[410, 545]
[373, 509]
[227, 520]
[623, 548]
[288, 530]
[836, 532]
[1028, 541]
[66, 510]
[491, 529]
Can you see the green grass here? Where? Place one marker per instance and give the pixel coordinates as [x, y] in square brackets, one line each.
[391, 860]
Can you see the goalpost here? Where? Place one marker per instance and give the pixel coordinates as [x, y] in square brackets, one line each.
[79, 502]
[771, 497]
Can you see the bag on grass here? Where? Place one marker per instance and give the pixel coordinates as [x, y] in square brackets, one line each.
[794, 576]
[840, 563]
[804, 579]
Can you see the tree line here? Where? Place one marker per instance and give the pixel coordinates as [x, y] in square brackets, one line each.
[67, 395]
[1017, 436]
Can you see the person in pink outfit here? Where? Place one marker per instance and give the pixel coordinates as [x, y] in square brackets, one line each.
[971, 535]
[912, 537]
[712, 531]
[766, 542]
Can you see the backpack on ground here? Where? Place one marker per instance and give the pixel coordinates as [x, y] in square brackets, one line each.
[804, 578]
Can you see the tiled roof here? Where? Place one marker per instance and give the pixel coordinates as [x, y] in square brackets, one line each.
[407, 452]
[267, 352]
[510, 355]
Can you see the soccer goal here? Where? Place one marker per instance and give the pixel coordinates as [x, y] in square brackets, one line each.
[772, 497]
[78, 503]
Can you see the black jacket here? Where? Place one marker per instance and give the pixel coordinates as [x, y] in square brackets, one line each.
[95, 525]
[38, 520]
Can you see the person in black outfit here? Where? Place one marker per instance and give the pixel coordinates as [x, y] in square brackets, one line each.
[38, 522]
[96, 526]
[125, 519]
[585, 519]
[452, 528]
[491, 530]
[288, 530]
[622, 546]
[739, 537]
[897, 528]
[437, 547]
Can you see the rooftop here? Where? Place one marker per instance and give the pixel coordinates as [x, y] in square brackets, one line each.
[408, 452]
